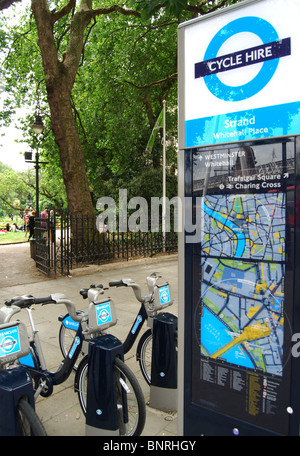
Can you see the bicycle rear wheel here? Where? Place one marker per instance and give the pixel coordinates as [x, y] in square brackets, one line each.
[28, 420]
[130, 400]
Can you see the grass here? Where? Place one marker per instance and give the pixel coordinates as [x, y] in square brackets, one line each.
[10, 237]
[13, 238]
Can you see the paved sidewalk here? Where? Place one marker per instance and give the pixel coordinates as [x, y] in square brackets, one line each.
[61, 412]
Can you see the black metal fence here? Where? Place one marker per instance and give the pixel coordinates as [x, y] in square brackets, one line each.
[62, 243]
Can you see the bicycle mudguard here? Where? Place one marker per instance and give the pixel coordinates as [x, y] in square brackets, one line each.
[29, 360]
[68, 322]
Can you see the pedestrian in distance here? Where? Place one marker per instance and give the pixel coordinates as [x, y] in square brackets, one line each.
[31, 225]
[26, 220]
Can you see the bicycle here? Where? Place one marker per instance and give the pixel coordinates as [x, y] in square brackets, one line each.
[130, 401]
[158, 298]
[14, 344]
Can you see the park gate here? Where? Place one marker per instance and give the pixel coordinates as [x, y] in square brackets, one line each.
[64, 242]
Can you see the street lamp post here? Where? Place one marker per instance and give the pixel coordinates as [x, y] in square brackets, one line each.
[38, 127]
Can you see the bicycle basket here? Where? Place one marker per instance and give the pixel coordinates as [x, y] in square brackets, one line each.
[162, 297]
[102, 315]
[14, 342]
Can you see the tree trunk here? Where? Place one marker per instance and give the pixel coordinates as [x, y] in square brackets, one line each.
[71, 155]
[59, 79]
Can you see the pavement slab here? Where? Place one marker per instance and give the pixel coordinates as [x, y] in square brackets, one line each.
[61, 412]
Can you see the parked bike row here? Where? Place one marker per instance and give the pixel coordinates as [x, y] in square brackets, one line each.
[108, 391]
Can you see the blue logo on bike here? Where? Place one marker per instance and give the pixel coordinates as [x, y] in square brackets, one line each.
[164, 295]
[74, 346]
[103, 313]
[136, 325]
[70, 323]
[9, 341]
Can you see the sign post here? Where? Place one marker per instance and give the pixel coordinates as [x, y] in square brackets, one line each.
[239, 173]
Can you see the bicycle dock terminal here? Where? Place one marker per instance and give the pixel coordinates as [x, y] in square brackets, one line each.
[163, 372]
[102, 412]
[15, 382]
[163, 388]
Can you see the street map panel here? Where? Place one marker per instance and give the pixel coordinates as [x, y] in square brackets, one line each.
[242, 289]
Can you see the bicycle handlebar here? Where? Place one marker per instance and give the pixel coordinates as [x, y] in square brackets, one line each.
[129, 283]
[120, 283]
[85, 291]
[28, 300]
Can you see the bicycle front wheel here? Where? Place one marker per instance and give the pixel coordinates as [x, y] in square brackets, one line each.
[131, 409]
[28, 420]
[66, 339]
[144, 355]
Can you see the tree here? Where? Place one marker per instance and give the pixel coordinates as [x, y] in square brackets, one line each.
[59, 76]
[63, 33]
[18, 189]
[59, 79]
[122, 79]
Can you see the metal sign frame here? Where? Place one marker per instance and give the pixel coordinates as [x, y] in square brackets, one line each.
[203, 410]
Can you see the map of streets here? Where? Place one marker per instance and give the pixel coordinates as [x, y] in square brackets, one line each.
[243, 251]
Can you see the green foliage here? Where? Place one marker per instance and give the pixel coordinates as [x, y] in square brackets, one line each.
[21, 68]
[128, 67]
[13, 191]
[123, 60]
[177, 8]
[149, 184]
[146, 185]
[148, 8]
[18, 190]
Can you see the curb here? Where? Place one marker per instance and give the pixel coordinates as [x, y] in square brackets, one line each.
[92, 269]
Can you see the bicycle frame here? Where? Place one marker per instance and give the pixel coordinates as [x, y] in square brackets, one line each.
[16, 390]
[142, 316]
[36, 365]
[101, 315]
[151, 306]
[147, 310]
[34, 361]
[132, 335]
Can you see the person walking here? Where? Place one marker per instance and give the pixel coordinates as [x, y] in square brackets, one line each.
[31, 225]
[26, 220]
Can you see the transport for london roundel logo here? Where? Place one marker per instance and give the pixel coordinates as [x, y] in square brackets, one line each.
[267, 53]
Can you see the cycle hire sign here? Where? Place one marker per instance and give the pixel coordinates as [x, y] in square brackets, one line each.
[241, 73]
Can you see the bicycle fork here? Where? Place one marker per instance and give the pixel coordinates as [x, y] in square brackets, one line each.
[36, 340]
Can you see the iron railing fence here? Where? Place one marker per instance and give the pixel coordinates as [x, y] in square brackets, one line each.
[64, 242]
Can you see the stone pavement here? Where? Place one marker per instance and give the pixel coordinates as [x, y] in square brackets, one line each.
[61, 412]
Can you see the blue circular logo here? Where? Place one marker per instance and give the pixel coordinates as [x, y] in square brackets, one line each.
[266, 32]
